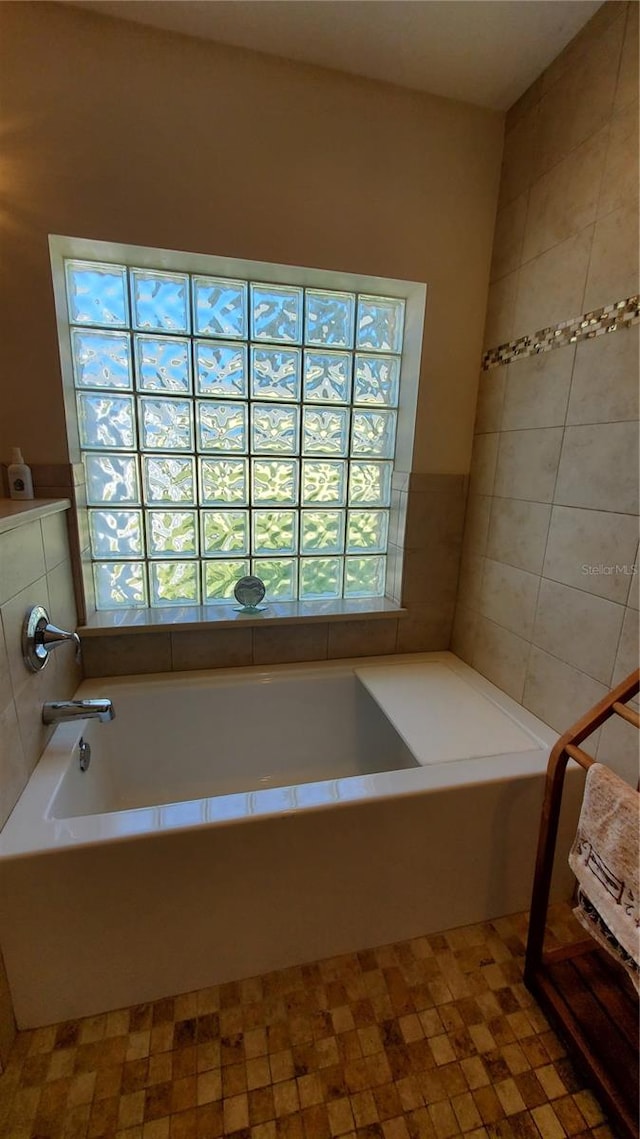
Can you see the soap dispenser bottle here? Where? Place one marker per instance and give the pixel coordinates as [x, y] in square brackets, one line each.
[19, 474]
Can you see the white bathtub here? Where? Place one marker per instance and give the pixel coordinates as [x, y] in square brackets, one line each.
[237, 821]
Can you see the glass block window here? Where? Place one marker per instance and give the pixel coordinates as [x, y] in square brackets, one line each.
[231, 427]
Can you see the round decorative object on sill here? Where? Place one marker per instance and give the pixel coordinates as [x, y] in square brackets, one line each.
[249, 591]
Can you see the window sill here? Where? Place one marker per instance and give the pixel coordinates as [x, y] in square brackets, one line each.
[189, 617]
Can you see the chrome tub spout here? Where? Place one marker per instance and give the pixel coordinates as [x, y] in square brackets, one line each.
[57, 711]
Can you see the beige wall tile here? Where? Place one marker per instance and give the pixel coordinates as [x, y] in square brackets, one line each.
[55, 539]
[62, 600]
[126, 654]
[628, 649]
[518, 533]
[13, 766]
[394, 573]
[528, 463]
[508, 237]
[476, 523]
[633, 597]
[463, 634]
[430, 575]
[627, 87]
[518, 156]
[211, 648]
[13, 614]
[21, 559]
[509, 597]
[581, 101]
[620, 180]
[590, 34]
[6, 691]
[613, 269]
[483, 464]
[604, 386]
[361, 638]
[470, 580]
[537, 390]
[618, 748]
[501, 656]
[578, 628]
[501, 304]
[490, 400]
[599, 467]
[426, 629]
[551, 287]
[558, 693]
[37, 690]
[596, 540]
[565, 199]
[281, 644]
[434, 521]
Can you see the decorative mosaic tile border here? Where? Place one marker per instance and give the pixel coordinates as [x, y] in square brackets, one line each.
[612, 317]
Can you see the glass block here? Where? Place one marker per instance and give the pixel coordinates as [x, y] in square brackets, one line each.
[320, 578]
[325, 431]
[324, 481]
[327, 377]
[224, 533]
[174, 583]
[165, 424]
[222, 426]
[274, 430]
[374, 433]
[160, 301]
[163, 364]
[116, 533]
[172, 533]
[224, 482]
[380, 323]
[275, 373]
[97, 294]
[220, 307]
[106, 420]
[276, 313]
[221, 369]
[274, 531]
[220, 577]
[367, 531]
[111, 478]
[120, 585]
[274, 482]
[101, 359]
[370, 483]
[364, 577]
[168, 480]
[322, 532]
[329, 318]
[376, 380]
[279, 576]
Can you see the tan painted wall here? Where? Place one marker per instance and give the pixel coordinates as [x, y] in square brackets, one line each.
[117, 132]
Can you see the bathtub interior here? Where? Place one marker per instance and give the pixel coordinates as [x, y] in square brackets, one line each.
[171, 742]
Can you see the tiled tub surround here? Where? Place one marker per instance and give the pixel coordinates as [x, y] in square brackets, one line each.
[189, 892]
[34, 568]
[548, 596]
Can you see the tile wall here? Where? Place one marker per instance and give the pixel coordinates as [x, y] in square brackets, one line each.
[548, 593]
[35, 568]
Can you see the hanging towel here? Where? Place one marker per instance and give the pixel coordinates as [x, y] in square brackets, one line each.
[604, 858]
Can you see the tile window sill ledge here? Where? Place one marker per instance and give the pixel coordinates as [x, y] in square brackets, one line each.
[108, 623]
[16, 512]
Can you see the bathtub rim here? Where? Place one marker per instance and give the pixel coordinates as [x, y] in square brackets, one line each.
[32, 831]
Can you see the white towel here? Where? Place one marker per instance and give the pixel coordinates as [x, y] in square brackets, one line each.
[605, 860]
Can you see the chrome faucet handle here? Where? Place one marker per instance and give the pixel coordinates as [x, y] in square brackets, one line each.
[39, 637]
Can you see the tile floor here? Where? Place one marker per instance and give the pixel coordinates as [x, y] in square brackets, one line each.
[426, 1039]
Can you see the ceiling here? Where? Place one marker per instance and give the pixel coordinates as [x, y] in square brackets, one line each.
[481, 51]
